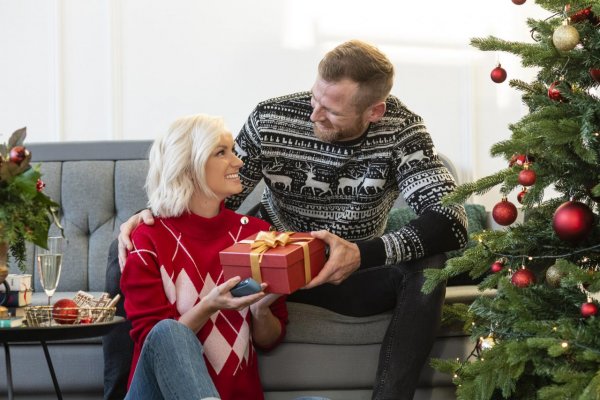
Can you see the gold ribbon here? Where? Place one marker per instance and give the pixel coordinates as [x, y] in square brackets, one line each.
[266, 240]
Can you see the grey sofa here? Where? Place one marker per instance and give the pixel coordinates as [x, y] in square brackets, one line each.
[99, 185]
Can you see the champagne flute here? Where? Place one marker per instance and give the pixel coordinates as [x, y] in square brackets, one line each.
[49, 264]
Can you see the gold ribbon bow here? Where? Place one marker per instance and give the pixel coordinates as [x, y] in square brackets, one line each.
[266, 240]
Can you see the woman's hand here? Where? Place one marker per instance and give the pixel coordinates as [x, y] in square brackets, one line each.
[219, 298]
[262, 306]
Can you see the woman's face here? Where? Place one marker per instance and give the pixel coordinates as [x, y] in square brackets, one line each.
[222, 169]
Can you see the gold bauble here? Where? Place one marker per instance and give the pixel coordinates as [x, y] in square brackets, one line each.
[565, 38]
[554, 276]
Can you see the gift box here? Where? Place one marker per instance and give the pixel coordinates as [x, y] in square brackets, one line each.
[286, 261]
[19, 282]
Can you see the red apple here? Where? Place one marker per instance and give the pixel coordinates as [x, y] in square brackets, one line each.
[65, 311]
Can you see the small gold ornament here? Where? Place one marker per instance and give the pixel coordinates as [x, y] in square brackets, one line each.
[554, 276]
[565, 37]
[486, 343]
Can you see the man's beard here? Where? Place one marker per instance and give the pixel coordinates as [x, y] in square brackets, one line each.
[327, 136]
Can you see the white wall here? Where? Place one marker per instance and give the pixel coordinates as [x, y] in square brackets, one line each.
[124, 69]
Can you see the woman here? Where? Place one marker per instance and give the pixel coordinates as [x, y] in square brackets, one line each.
[178, 302]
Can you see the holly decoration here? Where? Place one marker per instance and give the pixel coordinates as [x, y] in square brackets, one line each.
[40, 185]
[554, 93]
[595, 74]
[589, 309]
[518, 2]
[527, 176]
[565, 37]
[554, 275]
[523, 278]
[497, 266]
[521, 195]
[573, 221]
[505, 212]
[520, 159]
[18, 154]
[498, 74]
[585, 14]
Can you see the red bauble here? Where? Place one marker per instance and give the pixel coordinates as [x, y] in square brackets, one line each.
[595, 74]
[519, 2]
[497, 267]
[573, 221]
[65, 311]
[18, 154]
[589, 310]
[521, 195]
[523, 278]
[527, 177]
[498, 74]
[504, 213]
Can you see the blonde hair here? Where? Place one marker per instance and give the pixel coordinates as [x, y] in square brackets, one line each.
[177, 163]
[362, 63]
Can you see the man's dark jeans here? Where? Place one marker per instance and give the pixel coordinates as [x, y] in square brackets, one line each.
[413, 328]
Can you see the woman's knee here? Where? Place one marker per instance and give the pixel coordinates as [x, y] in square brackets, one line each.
[169, 333]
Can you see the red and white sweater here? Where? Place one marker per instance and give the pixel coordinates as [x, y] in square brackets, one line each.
[174, 264]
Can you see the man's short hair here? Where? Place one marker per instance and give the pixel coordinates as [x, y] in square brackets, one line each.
[177, 163]
[362, 63]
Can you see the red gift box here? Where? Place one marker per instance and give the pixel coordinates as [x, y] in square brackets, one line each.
[275, 258]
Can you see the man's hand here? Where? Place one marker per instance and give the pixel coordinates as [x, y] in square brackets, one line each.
[344, 259]
[126, 228]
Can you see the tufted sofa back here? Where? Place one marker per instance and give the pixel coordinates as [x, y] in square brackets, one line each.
[98, 185]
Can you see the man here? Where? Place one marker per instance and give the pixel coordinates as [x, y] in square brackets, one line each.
[334, 161]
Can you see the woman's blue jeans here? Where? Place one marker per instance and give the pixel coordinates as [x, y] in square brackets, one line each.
[171, 367]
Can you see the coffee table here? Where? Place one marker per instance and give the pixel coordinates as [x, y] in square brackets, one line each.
[43, 334]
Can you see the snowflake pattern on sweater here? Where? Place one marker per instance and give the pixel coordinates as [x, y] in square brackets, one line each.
[348, 188]
[174, 264]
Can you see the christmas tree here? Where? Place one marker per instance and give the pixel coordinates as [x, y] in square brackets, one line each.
[538, 337]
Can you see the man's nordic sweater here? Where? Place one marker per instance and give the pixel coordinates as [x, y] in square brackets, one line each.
[348, 188]
[173, 265]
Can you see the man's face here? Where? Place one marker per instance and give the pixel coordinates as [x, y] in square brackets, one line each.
[222, 169]
[335, 114]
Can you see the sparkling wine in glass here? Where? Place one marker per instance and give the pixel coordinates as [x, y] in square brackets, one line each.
[49, 265]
